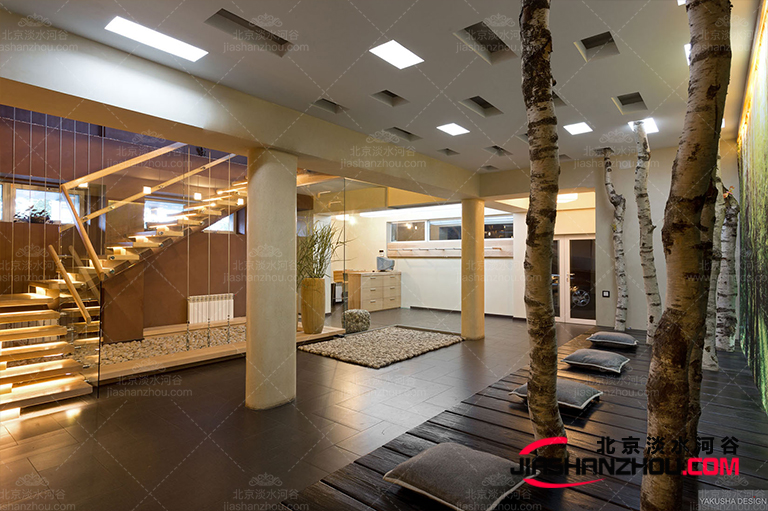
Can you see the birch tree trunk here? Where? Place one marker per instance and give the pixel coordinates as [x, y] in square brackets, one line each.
[686, 303]
[650, 281]
[620, 265]
[727, 284]
[545, 173]
[709, 356]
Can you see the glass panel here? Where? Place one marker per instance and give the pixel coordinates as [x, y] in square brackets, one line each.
[41, 206]
[498, 227]
[408, 231]
[156, 211]
[556, 276]
[445, 229]
[582, 279]
[226, 224]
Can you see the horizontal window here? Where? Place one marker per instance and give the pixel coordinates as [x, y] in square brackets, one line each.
[498, 227]
[408, 231]
[160, 212]
[445, 229]
[38, 205]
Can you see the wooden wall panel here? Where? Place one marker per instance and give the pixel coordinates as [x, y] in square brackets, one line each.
[123, 306]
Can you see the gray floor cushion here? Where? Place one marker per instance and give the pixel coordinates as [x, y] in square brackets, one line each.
[613, 339]
[597, 359]
[570, 394]
[459, 477]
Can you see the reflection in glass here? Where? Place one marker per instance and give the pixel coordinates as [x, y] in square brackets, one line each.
[445, 229]
[36, 201]
[582, 279]
[408, 231]
[556, 276]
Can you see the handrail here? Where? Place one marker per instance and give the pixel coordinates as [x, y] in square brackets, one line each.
[154, 189]
[83, 273]
[70, 285]
[84, 236]
[120, 166]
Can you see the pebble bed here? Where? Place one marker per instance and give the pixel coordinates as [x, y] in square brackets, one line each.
[114, 353]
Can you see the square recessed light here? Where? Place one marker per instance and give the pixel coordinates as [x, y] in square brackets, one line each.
[680, 2]
[146, 190]
[396, 54]
[687, 49]
[198, 196]
[453, 129]
[155, 39]
[578, 128]
[649, 123]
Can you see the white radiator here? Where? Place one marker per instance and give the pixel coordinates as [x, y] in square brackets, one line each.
[204, 308]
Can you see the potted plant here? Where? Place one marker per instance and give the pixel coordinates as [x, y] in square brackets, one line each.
[314, 254]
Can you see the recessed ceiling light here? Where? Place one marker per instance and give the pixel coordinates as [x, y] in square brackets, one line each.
[453, 129]
[155, 39]
[565, 198]
[649, 123]
[198, 196]
[687, 49]
[578, 128]
[396, 54]
[680, 2]
[146, 190]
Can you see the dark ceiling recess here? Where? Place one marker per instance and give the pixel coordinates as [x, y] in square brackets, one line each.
[401, 133]
[447, 152]
[480, 106]
[329, 106]
[498, 150]
[565, 157]
[597, 46]
[558, 100]
[244, 30]
[488, 168]
[630, 103]
[523, 137]
[389, 98]
[481, 39]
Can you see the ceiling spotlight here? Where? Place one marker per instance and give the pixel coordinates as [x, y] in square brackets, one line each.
[83, 185]
[649, 123]
[240, 202]
[198, 196]
[453, 129]
[578, 128]
[155, 39]
[146, 190]
[396, 54]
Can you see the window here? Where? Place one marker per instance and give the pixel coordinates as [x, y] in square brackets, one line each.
[498, 227]
[445, 229]
[42, 206]
[408, 231]
[159, 212]
[226, 224]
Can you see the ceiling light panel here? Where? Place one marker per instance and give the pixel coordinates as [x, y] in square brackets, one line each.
[453, 129]
[649, 123]
[155, 39]
[396, 54]
[578, 128]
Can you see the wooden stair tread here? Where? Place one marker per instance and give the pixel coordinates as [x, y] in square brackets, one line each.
[55, 283]
[23, 316]
[39, 371]
[161, 233]
[25, 299]
[83, 327]
[43, 349]
[45, 392]
[120, 257]
[87, 341]
[31, 332]
[135, 244]
[92, 309]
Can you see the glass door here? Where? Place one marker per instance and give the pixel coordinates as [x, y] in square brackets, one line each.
[573, 280]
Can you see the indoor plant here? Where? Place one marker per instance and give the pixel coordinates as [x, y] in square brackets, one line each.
[314, 253]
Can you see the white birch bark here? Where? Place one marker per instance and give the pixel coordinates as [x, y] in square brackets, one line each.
[709, 357]
[683, 320]
[650, 280]
[619, 260]
[543, 152]
[727, 284]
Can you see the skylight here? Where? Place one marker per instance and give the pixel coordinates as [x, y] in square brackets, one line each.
[453, 129]
[155, 39]
[649, 123]
[578, 128]
[396, 54]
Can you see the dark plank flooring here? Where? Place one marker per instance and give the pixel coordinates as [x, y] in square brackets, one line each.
[497, 423]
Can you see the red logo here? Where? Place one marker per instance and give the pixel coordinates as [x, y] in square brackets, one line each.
[544, 442]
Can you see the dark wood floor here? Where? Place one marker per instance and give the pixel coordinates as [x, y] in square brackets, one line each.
[497, 423]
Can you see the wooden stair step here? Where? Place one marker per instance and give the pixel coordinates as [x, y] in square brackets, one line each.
[59, 284]
[88, 269]
[188, 221]
[23, 316]
[83, 327]
[120, 257]
[45, 391]
[87, 341]
[43, 349]
[199, 212]
[93, 310]
[135, 244]
[157, 233]
[25, 300]
[31, 332]
[39, 371]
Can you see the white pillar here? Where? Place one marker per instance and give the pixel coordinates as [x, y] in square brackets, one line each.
[270, 377]
[473, 269]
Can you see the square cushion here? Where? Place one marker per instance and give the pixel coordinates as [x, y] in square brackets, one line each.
[613, 339]
[597, 359]
[570, 394]
[458, 477]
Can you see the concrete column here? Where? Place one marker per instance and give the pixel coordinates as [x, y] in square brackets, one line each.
[473, 269]
[270, 376]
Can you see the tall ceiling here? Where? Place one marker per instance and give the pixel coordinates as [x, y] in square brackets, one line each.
[330, 59]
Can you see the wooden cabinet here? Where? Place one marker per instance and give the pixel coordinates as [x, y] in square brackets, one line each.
[374, 291]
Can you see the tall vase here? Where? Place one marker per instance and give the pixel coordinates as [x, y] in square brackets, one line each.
[312, 305]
